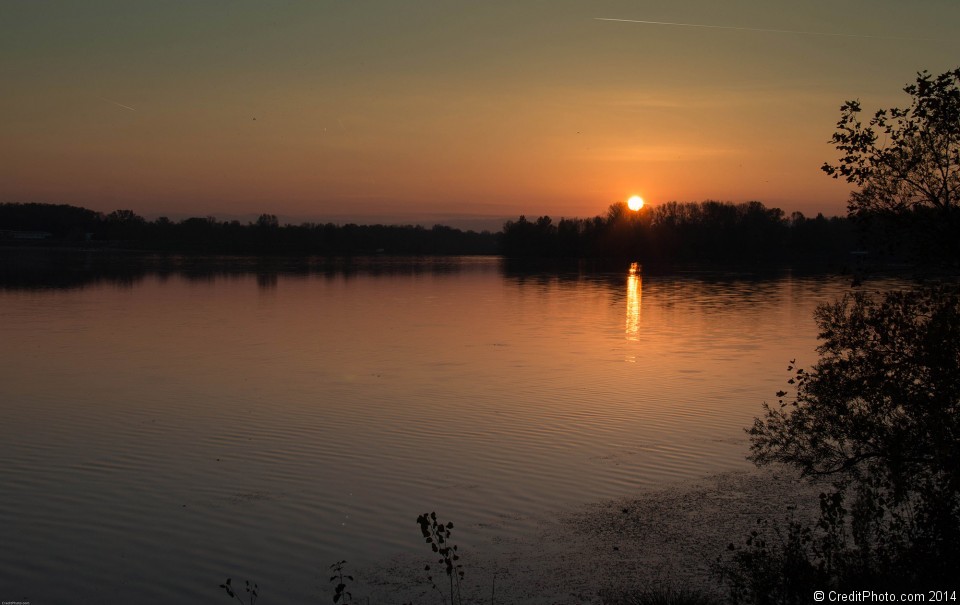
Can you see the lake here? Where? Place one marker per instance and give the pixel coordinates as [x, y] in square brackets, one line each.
[168, 424]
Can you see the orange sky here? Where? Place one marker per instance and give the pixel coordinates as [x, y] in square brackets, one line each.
[379, 110]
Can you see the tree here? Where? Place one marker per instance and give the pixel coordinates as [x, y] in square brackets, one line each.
[906, 161]
[125, 217]
[880, 414]
[268, 221]
[123, 225]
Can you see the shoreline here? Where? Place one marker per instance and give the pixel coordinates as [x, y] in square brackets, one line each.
[663, 539]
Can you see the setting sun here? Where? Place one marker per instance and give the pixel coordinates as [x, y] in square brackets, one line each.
[635, 203]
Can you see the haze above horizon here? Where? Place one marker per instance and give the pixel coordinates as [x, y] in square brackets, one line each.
[380, 110]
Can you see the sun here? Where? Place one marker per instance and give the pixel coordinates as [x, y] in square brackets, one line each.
[635, 203]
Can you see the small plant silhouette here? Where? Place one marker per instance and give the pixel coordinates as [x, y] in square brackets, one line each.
[437, 535]
[252, 592]
[339, 580]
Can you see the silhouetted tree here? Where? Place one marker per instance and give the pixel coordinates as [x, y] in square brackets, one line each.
[61, 220]
[880, 414]
[125, 225]
[906, 162]
[268, 221]
[674, 232]
[124, 217]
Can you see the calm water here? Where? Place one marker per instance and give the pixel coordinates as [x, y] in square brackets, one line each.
[163, 430]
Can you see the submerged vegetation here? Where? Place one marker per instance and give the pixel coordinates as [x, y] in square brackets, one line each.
[437, 535]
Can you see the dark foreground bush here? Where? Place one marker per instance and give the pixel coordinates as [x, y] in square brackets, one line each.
[879, 414]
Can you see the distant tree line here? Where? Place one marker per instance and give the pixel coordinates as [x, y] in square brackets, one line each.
[125, 229]
[679, 232]
[672, 232]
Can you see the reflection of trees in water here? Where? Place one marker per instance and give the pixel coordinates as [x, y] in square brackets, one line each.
[569, 272]
[705, 279]
[45, 268]
[42, 269]
[267, 281]
[37, 268]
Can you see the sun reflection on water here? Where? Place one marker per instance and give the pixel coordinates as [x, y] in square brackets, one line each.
[634, 297]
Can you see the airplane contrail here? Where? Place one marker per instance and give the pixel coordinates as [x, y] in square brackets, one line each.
[117, 104]
[760, 29]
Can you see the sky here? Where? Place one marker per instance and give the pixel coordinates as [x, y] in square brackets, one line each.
[429, 111]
